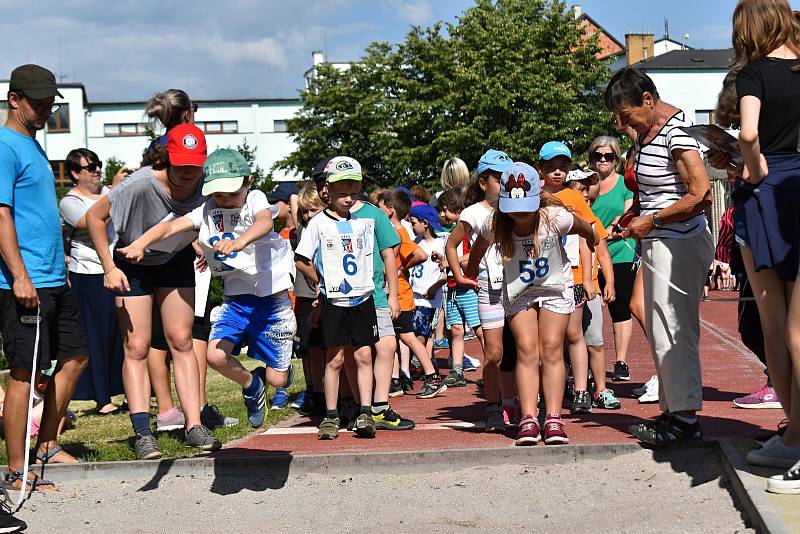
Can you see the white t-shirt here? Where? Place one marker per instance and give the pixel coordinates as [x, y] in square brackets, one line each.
[491, 268]
[341, 251]
[264, 267]
[660, 183]
[82, 257]
[529, 272]
[427, 273]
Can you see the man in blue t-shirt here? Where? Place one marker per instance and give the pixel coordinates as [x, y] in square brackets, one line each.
[33, 277]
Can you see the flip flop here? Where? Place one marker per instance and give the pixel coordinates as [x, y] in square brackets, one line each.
[13, 476]
[45, 457]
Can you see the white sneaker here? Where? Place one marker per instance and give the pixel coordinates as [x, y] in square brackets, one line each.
[651, 391]
[641, 390]
[787, 483]
[774, 453]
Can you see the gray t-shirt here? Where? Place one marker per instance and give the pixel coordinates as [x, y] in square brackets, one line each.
[139, 202]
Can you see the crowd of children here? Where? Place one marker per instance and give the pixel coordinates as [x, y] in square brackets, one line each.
[375, 286]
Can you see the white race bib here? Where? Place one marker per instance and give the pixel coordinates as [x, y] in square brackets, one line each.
[423, 276]
[347, 259]
[572, 247]
[226, 224]
[543, 270]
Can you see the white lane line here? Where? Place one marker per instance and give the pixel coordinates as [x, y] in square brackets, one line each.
[297, 430]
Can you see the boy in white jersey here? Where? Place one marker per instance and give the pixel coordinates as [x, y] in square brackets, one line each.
[427, 278]
[341, 246]
[236, 234]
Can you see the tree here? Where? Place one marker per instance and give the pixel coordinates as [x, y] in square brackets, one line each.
[261, 180]
[509, 74]
[113, 165]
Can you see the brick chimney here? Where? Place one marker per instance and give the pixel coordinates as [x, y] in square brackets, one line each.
[638, 46]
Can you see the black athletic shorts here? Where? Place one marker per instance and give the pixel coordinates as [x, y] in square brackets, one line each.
[356, 326]
[309, 337]
[144, 279]
[509, 361]
[61, 333]
[624, 278]
[404, 322]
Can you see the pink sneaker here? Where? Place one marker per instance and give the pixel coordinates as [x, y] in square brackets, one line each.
[172, 419]
[554, 433]
[528, 433]
[763, 398]
[512, 413]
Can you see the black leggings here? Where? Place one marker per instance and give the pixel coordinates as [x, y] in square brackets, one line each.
[624, 276]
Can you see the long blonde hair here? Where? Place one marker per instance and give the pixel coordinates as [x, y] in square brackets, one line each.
[503, 228]
[761, 26]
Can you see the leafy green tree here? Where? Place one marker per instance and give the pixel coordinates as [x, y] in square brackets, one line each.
[508, 74]
[112, 167]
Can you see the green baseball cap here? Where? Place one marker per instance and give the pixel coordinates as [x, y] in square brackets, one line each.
[224, 171]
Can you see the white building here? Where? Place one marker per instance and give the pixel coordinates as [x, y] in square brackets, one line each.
[117, 129]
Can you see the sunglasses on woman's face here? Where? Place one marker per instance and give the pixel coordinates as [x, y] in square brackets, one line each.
[194, 108]
[92, 167]
[604, 156]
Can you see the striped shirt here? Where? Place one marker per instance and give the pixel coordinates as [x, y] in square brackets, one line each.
[660, 184]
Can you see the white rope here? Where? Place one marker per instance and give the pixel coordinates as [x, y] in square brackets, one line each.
[655, 271]
[30, 410]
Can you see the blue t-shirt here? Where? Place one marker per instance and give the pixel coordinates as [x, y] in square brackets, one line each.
[27, 185]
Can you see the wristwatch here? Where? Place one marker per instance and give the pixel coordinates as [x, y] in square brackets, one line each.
[657, 222]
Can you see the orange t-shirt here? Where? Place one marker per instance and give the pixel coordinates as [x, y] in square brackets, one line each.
[407, 247]
[575, 202]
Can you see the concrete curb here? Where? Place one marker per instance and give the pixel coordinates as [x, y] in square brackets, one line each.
[763, 515]
[282, 465]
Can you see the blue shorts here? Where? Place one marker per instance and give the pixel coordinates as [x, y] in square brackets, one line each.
[265, 324]
[462, 308]
[423, 321]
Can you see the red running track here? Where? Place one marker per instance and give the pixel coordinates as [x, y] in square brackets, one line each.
[729, 371]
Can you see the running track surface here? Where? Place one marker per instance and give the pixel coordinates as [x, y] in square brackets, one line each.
[448, 421]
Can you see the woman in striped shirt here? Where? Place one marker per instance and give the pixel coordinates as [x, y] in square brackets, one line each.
[673, 192]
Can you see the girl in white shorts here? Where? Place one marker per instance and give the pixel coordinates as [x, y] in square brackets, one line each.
[537, 291]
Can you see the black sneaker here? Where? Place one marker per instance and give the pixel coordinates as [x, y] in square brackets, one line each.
[406, 384]
[787, 483]
[348, 411]
[388, 419]
[761, 439]
[455, 380]
[621, 371]
[433, 386]
[9, 523]
[666, 430]
[211, 417]
[364, 425]
[581, 402]
[396, 389]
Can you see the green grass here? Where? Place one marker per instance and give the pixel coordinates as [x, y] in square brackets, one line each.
[106, 438]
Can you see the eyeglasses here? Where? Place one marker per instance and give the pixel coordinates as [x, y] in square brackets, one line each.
[604, 156]
[40, 105]
[92, 167]
[193, 107]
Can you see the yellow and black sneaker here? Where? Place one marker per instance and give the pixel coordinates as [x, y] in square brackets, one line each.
[388, 419]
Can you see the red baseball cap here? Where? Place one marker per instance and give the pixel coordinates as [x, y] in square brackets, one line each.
[186, 145]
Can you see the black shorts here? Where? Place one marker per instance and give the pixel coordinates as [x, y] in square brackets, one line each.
[509, 361]
[310, 337]
[201, 327]
[404, 322]
[624, 278]
[61, 333]
[144, 279]
[356, 326]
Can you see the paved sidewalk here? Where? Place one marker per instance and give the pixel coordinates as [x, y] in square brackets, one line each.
[454, 420]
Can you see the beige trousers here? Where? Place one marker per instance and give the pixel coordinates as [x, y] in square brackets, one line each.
[673, 319]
